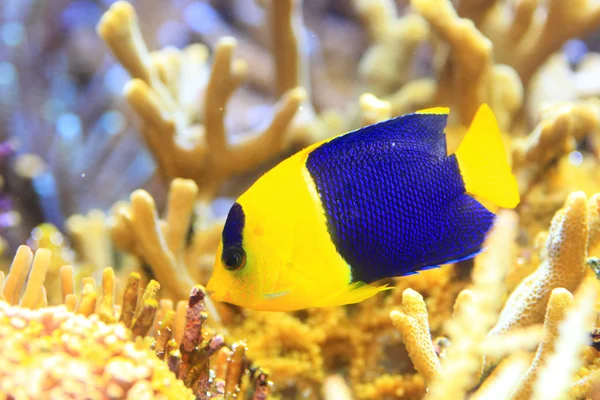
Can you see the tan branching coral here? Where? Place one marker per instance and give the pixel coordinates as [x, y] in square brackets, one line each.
[387, 63]
[563, 265]
[556, 375]
[527, 32]
[560, 300]
[470, 76]
[502, 381]
[412, 323]
[23, 286]
[161, 244]
[561, 127]
[188, 143]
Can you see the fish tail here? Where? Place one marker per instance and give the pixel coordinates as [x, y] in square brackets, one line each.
[483, 164]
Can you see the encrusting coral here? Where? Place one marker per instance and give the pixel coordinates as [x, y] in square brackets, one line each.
[58, 354]
[166, 349]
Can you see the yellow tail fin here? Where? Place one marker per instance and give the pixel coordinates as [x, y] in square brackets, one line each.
[483, 164]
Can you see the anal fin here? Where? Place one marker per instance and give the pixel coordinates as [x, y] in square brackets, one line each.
[351, 294]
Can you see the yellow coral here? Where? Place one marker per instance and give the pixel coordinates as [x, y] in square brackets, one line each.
[412, 323]
[56, 353]
[559, 301]
[564, 265]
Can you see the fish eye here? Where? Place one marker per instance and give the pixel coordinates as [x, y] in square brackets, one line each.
[233, 257]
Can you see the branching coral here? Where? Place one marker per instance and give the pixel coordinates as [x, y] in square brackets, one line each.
[556, 375]
[561, 127]
[527, 36]
[188, 143]
[470, 77]
[564, 265]
[412, 323]
[387, 63]
[162, 244]
[559, 301]
[178, 338]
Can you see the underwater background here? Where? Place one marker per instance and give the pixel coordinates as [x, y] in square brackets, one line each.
[128, 129]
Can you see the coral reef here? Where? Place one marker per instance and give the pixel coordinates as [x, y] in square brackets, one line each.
[118, 163]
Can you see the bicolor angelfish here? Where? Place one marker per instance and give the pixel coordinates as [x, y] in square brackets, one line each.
[381, 201]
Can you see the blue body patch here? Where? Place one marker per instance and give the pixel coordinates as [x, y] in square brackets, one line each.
[234, 225]
[394, 202]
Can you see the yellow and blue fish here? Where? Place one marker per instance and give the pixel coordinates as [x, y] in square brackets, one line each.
[382, 201]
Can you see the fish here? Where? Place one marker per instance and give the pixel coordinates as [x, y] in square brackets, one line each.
[322, 227]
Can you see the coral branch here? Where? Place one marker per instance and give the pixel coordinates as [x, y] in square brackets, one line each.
[563, 265]
[561, 127]
[412, 323]
[182, 147]
[235, 370]
[130, 299]
[33, 291]
[106, 308]
[557, 374]
[560, 300]
[287, 29]
[501, 383]
[146, 310]
[67, 282]
[470, 75]
[137, 229]
[18, 274]
[387, 64]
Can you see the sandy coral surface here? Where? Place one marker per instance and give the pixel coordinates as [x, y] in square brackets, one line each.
[128, 129]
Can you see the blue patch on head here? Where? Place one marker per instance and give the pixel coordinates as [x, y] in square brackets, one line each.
[394, 202]
[234, 226]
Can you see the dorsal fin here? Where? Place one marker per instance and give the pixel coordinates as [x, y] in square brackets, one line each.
[424, 128]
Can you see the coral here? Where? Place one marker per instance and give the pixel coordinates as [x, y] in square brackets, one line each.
[88, 358]
[235, 87]
[169, 123]
[504, 378]
[387, 63]
[561, 127]
[462, 363]
[563, 265]
[175, 337]
[412, 323]
[557, 372]
[398, 386]
[290, 349]
[470, 76]
[537, 30]
[559, 301]
[162, 244]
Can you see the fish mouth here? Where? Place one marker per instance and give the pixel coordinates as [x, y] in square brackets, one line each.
[211, 289]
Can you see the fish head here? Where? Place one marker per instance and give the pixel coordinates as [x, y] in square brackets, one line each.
[250, 257]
